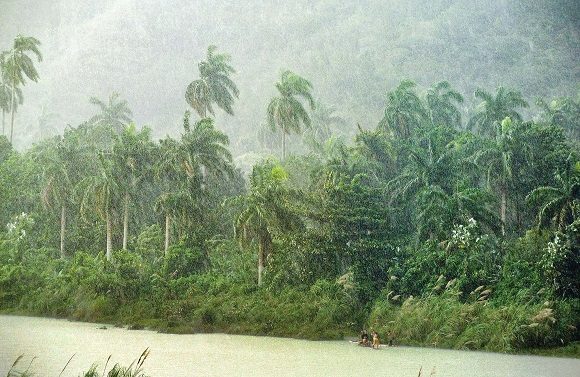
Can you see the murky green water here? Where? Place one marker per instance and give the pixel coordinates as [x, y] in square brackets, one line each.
[53, 342]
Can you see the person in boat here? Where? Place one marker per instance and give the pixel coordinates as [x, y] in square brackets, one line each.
[376, 341]
[364, 338]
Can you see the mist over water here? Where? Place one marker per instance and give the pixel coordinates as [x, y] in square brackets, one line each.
[353, 52]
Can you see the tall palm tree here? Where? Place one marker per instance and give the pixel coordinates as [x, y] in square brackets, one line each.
[492, 110]
[214, 85]
[405, 112]
[17, 66]
[183, 167]
[6, 93]
[204, 150]
[169, 179]
[497, 159]
[6, 99]
[286, 112]
[99, 192]
[170, 203]
[442, 103]
[132, 155]
[115, 113]
[57, 186]
[264, 209]
[559, 205]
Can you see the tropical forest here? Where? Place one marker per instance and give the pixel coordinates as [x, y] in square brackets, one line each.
[439, 209]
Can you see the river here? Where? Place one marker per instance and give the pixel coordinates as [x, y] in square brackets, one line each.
[54, 341]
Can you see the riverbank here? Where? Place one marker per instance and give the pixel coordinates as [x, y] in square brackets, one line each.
[439, 322]
[138, 294]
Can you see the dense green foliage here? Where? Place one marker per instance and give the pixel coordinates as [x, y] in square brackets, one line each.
[432, 229]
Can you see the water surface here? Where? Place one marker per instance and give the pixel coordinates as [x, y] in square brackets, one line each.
[54, 341]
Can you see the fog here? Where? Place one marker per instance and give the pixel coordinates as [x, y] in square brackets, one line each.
[353, 52]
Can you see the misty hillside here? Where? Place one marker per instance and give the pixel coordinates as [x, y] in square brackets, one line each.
[352, 52]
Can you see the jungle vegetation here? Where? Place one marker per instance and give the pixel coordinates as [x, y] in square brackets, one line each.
[433, 227]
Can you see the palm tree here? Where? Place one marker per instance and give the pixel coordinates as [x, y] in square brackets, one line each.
[324, 122]
[376, 147]
[99, 192]
[286, 112]
[5, 99]
[434, 181]
[428, 165]
[170, 203]
[171, 180]
[132, 154]
[497, 158]
[264, 209]
[559, 205]
[183, 167]
[57, 186]
[492, 110]
[214, 85]
[442, 105]
[6, 93]
[563, 112]
[18, 65]
[203, 150]
[405, 112]
[439, 210]
[114, 114]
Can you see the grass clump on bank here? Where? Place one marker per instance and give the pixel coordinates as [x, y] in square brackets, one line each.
[477, 324]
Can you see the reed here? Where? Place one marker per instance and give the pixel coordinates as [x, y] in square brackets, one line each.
[135, 369]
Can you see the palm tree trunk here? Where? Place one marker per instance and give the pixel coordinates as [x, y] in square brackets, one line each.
[109, 243]
[260, 260]
[62, 230]
[503, 209]
[283, 144]
[167, 227]
[12, 109]
[264, 247]
[126, 221]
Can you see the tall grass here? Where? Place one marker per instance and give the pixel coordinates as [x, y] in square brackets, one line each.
[446, 321]
[135, 369]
